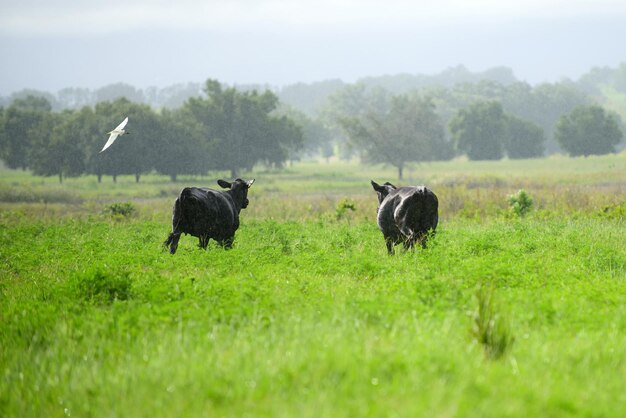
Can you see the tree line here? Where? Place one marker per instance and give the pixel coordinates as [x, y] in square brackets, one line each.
[224, 129]
[227, 129]
[419, 126]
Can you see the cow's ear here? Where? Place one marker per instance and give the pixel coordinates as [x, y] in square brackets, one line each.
[389, 184]
[376, 186]
[224, 184]
[250, 183]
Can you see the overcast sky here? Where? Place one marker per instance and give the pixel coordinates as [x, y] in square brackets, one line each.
[52, 44]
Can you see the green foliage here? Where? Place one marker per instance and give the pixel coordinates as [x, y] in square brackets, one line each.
[101, 286]
[490, 328]
[409, 131]
[520, 203]
[125, 209]
[25, 124]
[615, 211]
[240, 128]
[524, 139]
[588, 130]
[479, 130]
[227, 130]
[345, 205]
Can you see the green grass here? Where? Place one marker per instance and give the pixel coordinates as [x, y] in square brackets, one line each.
[307, 315]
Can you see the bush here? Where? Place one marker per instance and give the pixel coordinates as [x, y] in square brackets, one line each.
[343, 207]
[124, 210]
[521, 203]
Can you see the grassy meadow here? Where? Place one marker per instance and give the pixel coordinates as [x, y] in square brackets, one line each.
[307, 316]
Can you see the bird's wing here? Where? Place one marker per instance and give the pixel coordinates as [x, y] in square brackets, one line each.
[121, 125]
[112, 139]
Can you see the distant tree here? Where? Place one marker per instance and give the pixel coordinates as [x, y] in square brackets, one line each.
[22, 124]
[74, 98]
[282, 142]
[353, 101]
[541, 105]
[310, 98]
[549, 102]
[524, 139]
[132, 153]
[409, 131]
[27, 97]
[479, 130]
[181, 147]
[59, 148]
[316, 138]
[588, 130]
[240, 127]
[113, 92]
[36, 103]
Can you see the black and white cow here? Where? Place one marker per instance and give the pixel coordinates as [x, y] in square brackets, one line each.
[406, 214]
[209, 214]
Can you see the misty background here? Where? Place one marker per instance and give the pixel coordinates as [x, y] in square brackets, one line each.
[51, 45]
[228, 85]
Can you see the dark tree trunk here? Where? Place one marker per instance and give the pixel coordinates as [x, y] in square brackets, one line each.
[173, 178]
[233, 173]
[114, 178]
[60, 178]
[99, 177]
[400, 170]
[137, 178]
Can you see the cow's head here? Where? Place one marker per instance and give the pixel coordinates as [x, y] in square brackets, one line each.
[239, 190]
[383, 190]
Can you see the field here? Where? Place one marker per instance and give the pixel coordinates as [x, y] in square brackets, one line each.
[502, 315]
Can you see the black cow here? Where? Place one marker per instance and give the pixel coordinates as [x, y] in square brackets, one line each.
[207, 213]
[406, 214]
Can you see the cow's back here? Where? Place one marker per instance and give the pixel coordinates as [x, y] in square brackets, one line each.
[207, 212]
[416, 211]
[407, 210]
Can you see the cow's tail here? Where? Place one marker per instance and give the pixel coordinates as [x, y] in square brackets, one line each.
[177, 217]
[172, 242]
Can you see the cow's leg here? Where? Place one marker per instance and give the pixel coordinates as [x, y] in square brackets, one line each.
[409, 243]
[390, 243]
[227, 243]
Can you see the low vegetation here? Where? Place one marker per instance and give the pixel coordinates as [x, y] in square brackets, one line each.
[502, 315]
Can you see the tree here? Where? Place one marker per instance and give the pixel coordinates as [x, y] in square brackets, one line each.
[316, 138]
[22, 123]
[353, 101]
[409, 131]
[479, 130]
[181, 147]
[57, 148]
[524, 138]
[113, 92]
[240, 128]
[588, 130]
[131, 154]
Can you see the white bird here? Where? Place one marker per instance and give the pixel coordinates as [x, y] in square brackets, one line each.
[115, 133]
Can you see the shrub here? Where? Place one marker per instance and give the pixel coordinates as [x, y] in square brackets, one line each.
[614, 211]
[521, 203]
[124, 210]
[343, 207]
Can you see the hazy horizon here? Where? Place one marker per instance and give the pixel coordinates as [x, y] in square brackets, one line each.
[52, 45]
